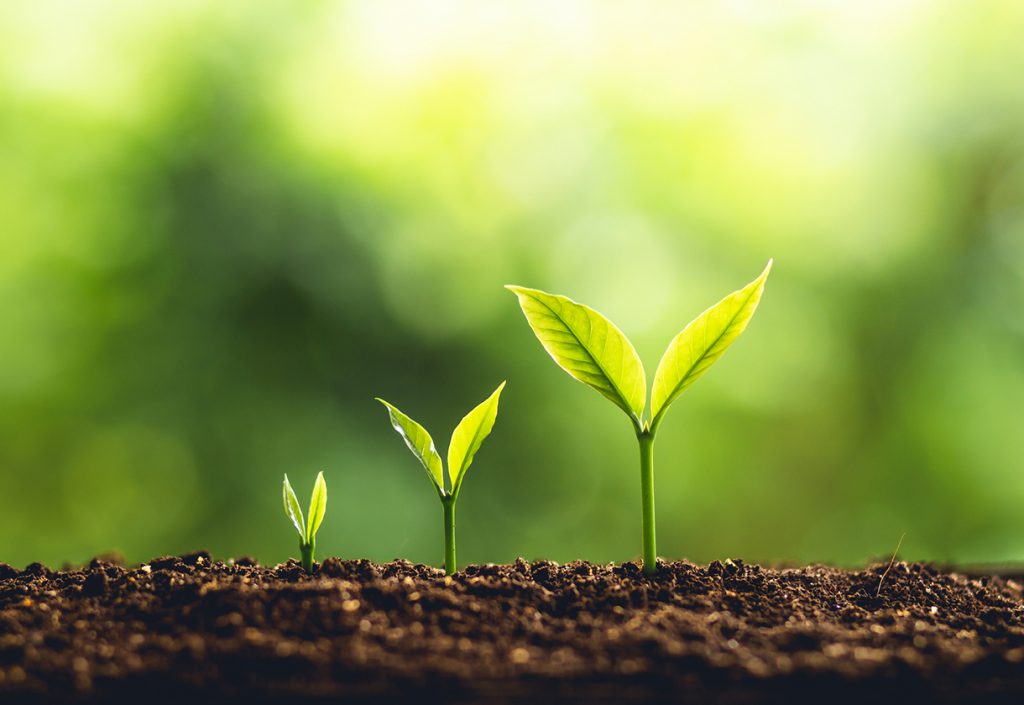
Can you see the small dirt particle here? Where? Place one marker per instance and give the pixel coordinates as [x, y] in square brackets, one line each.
[95, 584]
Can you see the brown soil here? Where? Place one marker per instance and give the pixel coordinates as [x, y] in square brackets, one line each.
[187, 629]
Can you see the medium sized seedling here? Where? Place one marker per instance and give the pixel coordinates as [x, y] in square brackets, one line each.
[307, 527]
[591, 349]
[466, 440]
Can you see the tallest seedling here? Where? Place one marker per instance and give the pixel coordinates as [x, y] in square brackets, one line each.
[590, 348]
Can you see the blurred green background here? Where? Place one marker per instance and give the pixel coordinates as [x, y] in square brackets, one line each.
[226, 226]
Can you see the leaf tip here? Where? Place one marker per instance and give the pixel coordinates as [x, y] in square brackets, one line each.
[525, 291]
[762, 278]
[496, 394]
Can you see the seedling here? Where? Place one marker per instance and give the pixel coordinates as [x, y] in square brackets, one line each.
[308, 527]
[466, 441]
[591, 349]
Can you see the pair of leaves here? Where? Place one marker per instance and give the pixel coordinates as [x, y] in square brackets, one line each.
[591, 349]
[317, 509]
[466, 440]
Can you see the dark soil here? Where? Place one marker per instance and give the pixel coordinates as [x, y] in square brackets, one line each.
[185, 629]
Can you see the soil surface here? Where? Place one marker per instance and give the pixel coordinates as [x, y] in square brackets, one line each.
[188, 629]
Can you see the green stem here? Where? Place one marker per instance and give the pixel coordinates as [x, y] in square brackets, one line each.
[449, 534]
[650, 552]
[307, 555]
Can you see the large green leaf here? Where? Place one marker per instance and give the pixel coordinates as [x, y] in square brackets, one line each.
[588, 346]
[419, 442]
[702, 343]
[291, 507]
[317, 507]
[469, 435]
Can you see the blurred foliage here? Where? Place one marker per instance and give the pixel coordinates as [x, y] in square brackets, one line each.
[226, 226]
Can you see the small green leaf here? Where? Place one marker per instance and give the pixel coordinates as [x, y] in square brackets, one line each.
[419, 442]
[317, 507]
[703, 342]
[588, 346]
[291, 507]
[469, 435]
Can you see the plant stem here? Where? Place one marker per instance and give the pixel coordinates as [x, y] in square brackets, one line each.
[307, 555]
[449, 534]
[650, 552]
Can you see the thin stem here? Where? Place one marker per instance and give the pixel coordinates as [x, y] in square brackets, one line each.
[306, 549]
[650, 551]
[448, 503]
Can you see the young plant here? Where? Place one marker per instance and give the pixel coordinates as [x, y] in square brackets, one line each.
[591, 349]
[466, 441]
[308, 527]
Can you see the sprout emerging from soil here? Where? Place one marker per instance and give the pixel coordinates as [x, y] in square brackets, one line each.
[466, 440]
[308, 527]
[591, 349]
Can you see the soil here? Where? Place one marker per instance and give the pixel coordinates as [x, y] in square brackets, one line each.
[188, 629]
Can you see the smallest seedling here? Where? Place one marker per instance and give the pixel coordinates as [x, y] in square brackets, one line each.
[307, 528]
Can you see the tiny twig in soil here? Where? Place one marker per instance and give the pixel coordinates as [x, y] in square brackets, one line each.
[892, 560]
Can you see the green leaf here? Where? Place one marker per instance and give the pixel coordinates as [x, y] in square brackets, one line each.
[291, 507]
[419, 442]
[588, 346]
[317, 507]
[469, 435]
[703, 342]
